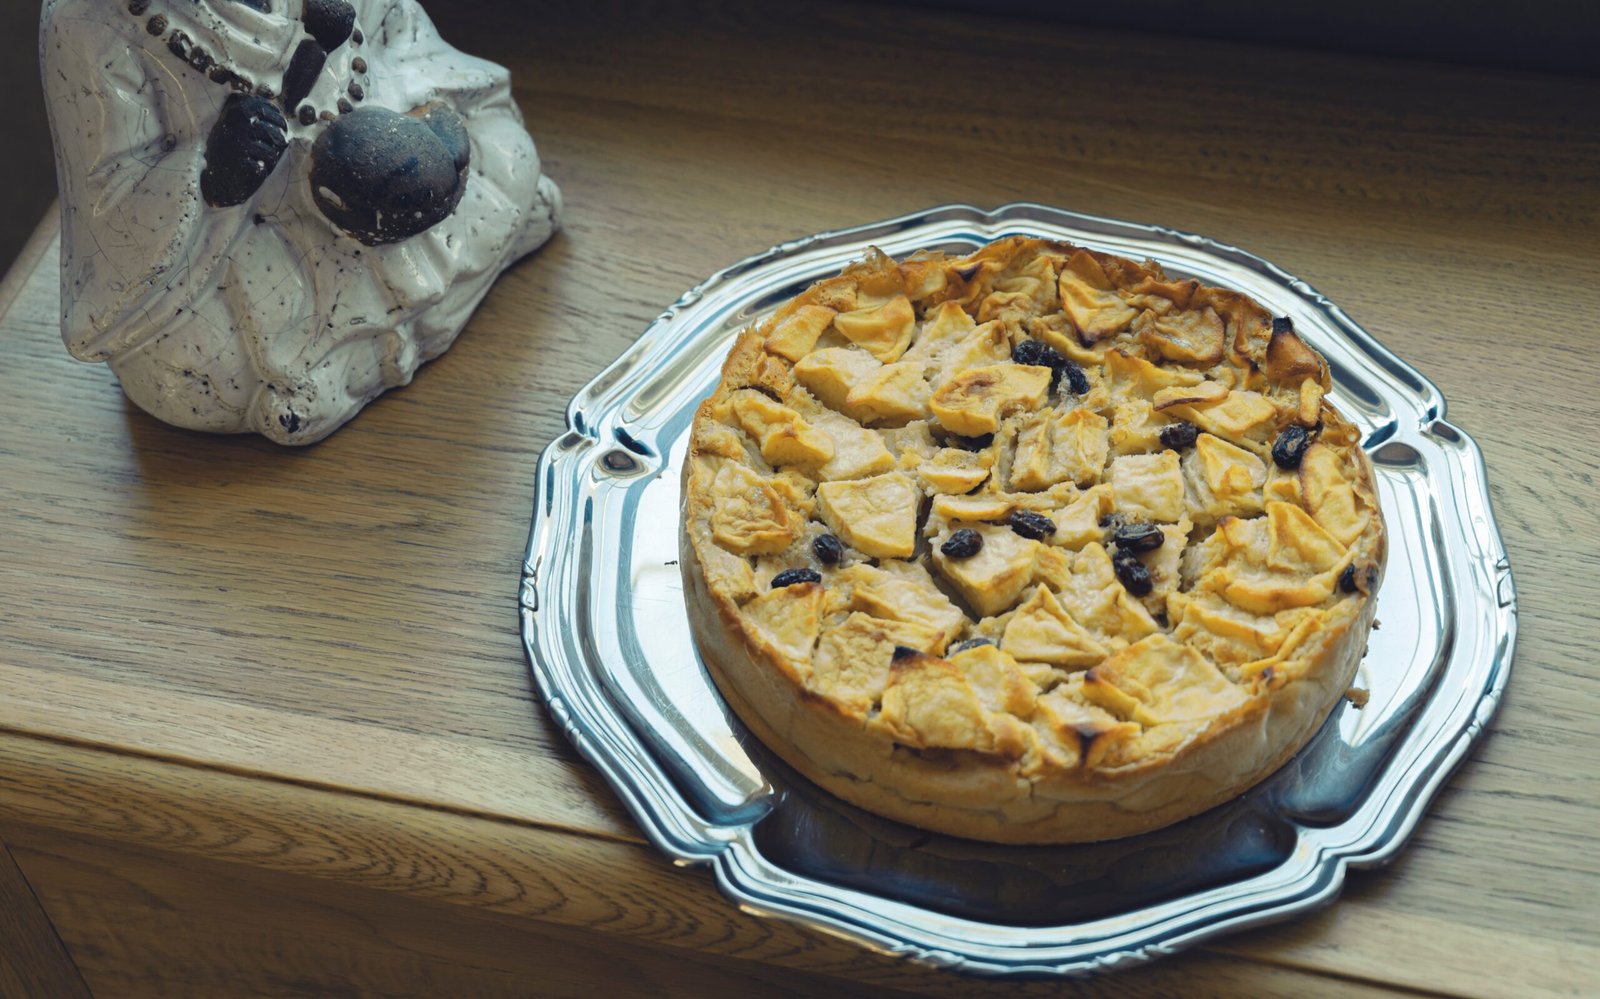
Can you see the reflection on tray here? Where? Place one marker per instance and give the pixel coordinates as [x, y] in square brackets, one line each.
[813, 834]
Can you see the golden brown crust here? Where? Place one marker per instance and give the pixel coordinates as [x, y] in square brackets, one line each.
[1092, 710]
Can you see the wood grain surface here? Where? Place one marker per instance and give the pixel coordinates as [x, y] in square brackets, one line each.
[33, 961]
[145, 926]
[303, 665]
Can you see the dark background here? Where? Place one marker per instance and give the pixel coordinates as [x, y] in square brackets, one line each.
[27, 169]
[1543, 36]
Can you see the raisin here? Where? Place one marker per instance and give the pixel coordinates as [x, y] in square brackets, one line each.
[1138, 537]
[1041, 354]
[905, 652]
[1134, 576]
[1179, 436]
[828, 549]
[964, 543]
[1111, 520]
[1291, 447]
[1037, 353]
[1282, 324]
[1077, 381]
[1031, 525]
[1348, 578]
[789, 577]
[972, 643]
[977, 443]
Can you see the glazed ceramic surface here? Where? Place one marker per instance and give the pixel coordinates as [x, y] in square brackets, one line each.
[274, 210]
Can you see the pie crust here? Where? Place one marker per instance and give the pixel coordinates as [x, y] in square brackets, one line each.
[1168, 543]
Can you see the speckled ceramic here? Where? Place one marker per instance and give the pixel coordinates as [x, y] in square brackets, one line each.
[274, 210]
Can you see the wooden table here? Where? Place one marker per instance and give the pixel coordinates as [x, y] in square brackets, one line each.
[265, 722]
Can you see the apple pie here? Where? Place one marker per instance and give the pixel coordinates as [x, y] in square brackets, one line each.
[1035, 545]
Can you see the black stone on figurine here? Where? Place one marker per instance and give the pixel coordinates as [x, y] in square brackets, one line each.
[242, 150]
[383, 176]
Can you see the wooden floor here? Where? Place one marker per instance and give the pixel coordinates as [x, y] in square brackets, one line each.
[265, 723]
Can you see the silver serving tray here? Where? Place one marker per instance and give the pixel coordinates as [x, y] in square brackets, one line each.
[604, 623]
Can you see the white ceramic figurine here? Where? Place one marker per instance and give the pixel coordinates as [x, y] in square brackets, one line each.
[274, 210]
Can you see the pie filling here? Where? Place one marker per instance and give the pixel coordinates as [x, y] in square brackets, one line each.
[1041, 504]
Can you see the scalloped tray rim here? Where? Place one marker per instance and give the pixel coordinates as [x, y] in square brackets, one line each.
[691, 839]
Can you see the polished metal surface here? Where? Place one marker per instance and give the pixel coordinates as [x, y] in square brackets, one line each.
[604, 623]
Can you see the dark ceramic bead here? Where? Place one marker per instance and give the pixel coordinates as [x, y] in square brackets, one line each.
[200, 59]
[301, 76]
